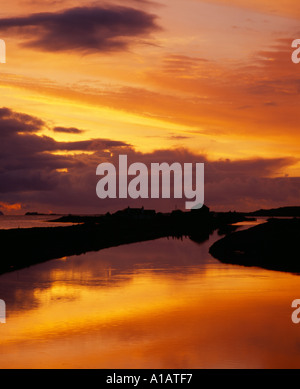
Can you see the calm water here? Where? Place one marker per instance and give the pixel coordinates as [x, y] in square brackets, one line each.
[23, 221]
[159, 304]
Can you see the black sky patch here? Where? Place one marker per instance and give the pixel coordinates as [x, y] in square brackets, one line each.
[84, 29]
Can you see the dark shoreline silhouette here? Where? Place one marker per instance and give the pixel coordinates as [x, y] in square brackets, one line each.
[273, 245]
[40, 214]
[24, 247]
[276, 212]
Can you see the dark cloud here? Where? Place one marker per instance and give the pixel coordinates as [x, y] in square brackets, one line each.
[86, 29]
[19, 122]
[88, 145]
[26, 160]
[68, 130]
[32, 175]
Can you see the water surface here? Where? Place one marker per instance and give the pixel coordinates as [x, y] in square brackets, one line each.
[160, 304]
[8, 222]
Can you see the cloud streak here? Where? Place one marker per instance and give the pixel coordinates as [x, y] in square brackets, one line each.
[68, 130]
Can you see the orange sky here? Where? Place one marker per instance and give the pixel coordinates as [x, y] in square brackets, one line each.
[214, 77]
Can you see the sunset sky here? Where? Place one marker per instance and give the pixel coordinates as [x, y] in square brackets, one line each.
[169, 80]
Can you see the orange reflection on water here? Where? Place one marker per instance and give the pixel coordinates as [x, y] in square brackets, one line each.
[94, 312]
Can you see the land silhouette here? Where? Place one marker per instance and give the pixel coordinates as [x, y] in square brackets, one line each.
[277, 212]
[28, 246]
[272, 245]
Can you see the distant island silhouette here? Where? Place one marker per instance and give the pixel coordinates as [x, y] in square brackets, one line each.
[40, 214]
[279, 212]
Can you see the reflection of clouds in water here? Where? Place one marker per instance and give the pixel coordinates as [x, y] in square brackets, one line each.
[63, 279]
[159, 304]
